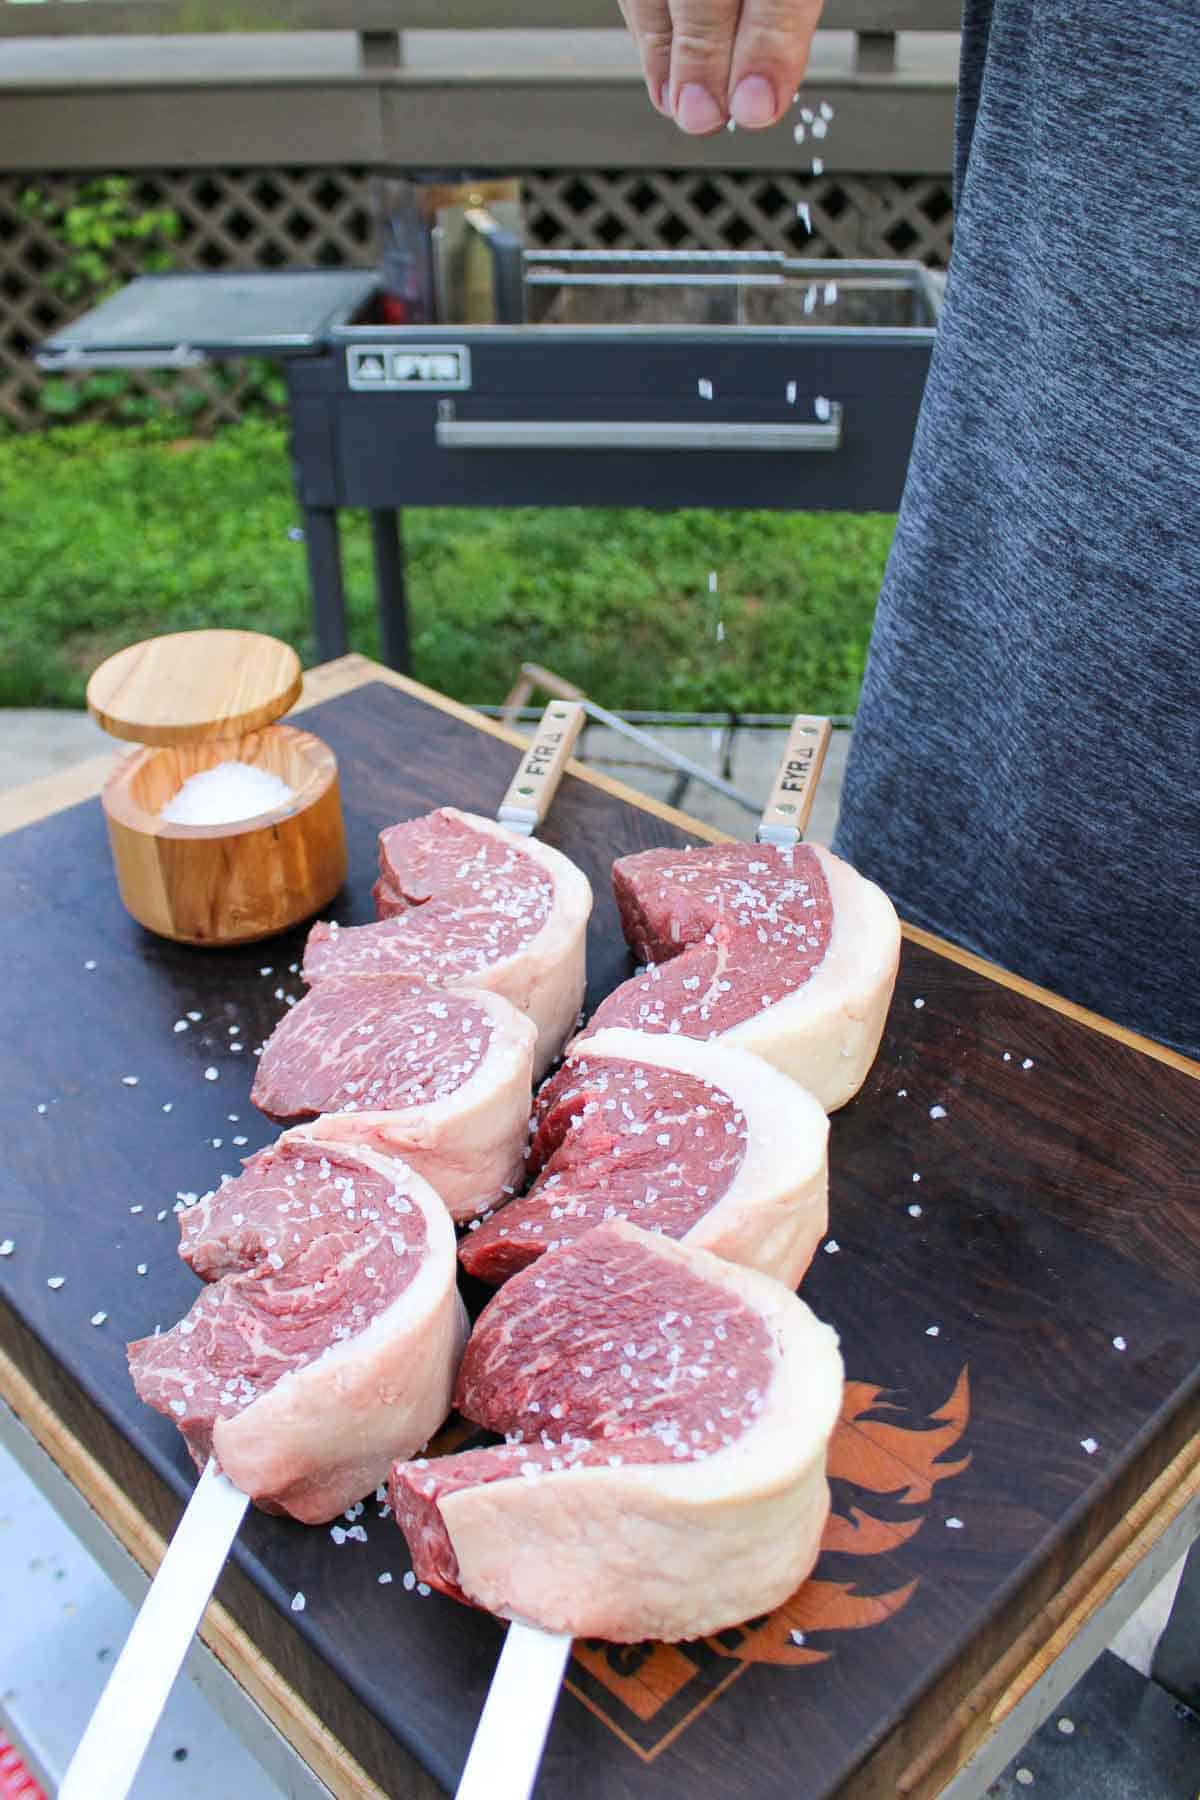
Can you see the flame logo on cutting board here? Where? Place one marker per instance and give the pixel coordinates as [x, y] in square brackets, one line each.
[882, 1457]
[649, 1693]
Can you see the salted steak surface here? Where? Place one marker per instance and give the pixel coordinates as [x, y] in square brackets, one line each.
[789, 953]
[666, 1416]
[329, 1334]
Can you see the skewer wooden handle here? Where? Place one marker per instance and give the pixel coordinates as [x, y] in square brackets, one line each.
[789, 805]
[533, 787]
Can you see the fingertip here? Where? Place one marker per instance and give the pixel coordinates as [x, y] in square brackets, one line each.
[696, 112]
[754, 104]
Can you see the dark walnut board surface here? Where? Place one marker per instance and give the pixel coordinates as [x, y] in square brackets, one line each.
[1059, 1210]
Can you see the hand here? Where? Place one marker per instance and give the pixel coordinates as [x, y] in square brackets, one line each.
[708, 61]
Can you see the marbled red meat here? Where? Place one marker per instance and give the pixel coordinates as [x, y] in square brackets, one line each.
[330, 1272]
[787, 952]
[666, 1416]
[371, 1046]
[614, 1140]
[699, 1141]
[471, 904]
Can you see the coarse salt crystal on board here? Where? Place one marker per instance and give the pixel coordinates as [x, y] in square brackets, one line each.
[226, 794]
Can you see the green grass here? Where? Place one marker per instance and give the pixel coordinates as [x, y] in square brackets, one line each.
[112, 535]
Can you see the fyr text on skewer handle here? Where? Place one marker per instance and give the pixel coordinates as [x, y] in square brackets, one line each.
[789, 805]
[532, 788]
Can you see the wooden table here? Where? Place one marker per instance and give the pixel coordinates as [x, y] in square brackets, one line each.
[1021, 1328]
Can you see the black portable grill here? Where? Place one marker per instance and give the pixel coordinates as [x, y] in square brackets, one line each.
[661, 380]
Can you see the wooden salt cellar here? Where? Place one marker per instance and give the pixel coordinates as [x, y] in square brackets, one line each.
[200, 698]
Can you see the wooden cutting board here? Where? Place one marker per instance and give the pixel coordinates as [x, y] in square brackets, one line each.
[994, 1430]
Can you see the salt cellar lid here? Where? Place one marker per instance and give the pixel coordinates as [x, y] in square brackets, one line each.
[192, 686]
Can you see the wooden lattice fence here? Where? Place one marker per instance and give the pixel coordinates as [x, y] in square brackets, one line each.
[277, 218]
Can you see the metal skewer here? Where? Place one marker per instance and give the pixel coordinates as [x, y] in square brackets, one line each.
[110, 1751]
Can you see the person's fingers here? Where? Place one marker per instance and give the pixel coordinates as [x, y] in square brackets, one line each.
[650, 23]
[702, 33]
[770, 55]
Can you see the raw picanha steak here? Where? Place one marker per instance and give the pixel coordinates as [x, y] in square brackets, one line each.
[666, 1414]
[790, 953]
[439, 1077]
[328, 1340]
[467, 903]
[704, 1142]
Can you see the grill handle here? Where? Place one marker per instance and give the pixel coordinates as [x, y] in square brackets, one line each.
[452, 433]
[182, 356]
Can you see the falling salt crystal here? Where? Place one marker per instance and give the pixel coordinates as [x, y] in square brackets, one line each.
[799, 133]
[266, 971]
[1090, 1445]
[241, 1140]
[804, 214]
[731, 124]
[918, 1004]
[832, 1247]
[819, 128]
[822, 407]
[90, 964]
[937, 1112]
[902, 1093]
[790, 391]
[1025, 1777]
[180, 1025]
[720, 633]
[1008, 1056]
[831, 293]
[797, 1637]
[825, 110]
[1067, 1727]
[954, 1524]
[195, 1017]
[298, 1603]
[135, 1209]
[167, 1105]
[914, 1211]
[210, 1074]
[129, 1080]
[818, 167]
[384, 1579]
[916, 1177]
[7, 1247]
[1028, 1063]
[409, 1580]
[1119, 1343]
[226, 794]
[99, 1318]
[338, 1533]
[41, 1106]
[704, 388]
[712, 581]
[217, 1142]
[423, 1589]
[56, 1282]
[933, 1331]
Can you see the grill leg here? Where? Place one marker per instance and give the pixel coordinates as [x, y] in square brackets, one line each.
[325, 580]
[391, 596]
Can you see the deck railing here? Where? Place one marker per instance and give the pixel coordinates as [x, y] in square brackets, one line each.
[380, 24]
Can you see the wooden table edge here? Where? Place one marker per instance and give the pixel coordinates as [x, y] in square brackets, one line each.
[976, 1717]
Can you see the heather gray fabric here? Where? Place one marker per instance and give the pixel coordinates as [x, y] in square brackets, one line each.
[1025, 772]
